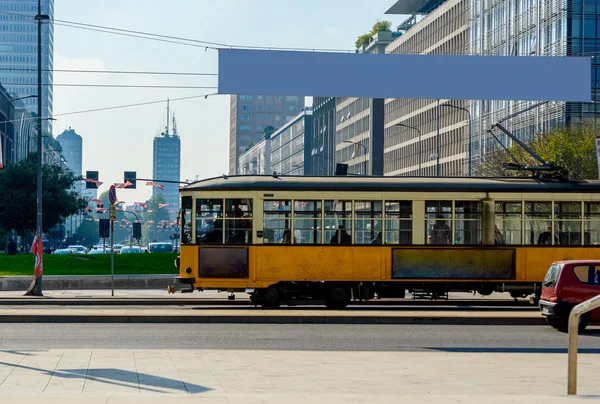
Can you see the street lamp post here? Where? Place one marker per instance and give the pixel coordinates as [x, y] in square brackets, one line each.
[40, 18]
[365, 151]
[470, 145]
[420, 143]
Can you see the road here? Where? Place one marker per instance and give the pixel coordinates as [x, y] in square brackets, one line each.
[299, 337]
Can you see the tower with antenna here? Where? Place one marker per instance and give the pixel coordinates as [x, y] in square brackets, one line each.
[167, 163]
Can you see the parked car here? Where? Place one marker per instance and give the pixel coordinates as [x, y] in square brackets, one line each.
[131, 250]
[64, 251]
[78, 249]
[98, 252]
[160, 247]
[568, 283]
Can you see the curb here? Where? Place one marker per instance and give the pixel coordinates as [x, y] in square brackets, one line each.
[261, 319]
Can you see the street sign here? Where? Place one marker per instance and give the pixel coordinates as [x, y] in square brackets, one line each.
[113, 213]
[112, 195]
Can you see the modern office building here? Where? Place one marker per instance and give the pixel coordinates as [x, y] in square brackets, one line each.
[251, 114]
[288, 151]
[426, 136]
[7, 113]
[166, 165]
[18, 53]
[323, 136]
[531, 28]
[359, 122]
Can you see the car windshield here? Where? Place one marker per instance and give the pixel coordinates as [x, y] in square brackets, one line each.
[165, 247]
[552, 276]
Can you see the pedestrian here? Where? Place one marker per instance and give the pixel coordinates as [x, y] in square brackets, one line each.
[11, 248]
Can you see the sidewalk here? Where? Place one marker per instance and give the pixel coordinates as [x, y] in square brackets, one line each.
[175, 314]
[179, 376]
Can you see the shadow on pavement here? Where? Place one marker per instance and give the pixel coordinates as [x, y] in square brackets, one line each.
[513, 350]
[119, 377]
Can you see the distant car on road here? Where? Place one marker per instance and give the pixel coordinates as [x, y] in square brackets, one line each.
[98, 252]
[64, 251]
[160, 247]
[568, 283]
[78, 249]
[131, 250]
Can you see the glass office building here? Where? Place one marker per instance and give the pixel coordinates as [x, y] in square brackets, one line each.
[528, 28]
[18, 52]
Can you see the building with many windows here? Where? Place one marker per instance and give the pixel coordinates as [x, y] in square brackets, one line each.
[72, 150]
[249, 115]
[18, 53]
[166, 165]
[531, 28]
[323, 136]
[7, 113]
[426, 136]
[359, 122]
[288, 151]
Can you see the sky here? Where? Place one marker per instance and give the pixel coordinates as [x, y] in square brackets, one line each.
[121, 140]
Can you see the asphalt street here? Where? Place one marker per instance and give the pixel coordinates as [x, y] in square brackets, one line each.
[299, 337]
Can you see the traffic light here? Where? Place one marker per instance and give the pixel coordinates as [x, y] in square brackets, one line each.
[104, 228]
[137, 230]
[91, 178]
[130, 176]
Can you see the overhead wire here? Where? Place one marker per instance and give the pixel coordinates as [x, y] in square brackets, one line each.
[123, 106]
[151, 73]
[173, 39]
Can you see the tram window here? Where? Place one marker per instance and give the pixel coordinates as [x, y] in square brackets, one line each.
[238, 221]
[209, 221]
[438, 222]
[398, 222]
[567, 222]
[307, 222]
[509, 222]
[276, 221]
[367, 222]
[592, 223]
[338, 222]
[467, 223]
[538, 223]
[186, 220]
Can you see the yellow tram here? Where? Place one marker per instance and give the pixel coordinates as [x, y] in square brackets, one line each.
[298, 240]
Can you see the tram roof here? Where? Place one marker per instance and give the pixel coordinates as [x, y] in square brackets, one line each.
[388, 184]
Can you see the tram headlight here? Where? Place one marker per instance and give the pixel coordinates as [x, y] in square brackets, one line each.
[176, 263]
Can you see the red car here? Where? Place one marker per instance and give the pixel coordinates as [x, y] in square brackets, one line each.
[568, 283]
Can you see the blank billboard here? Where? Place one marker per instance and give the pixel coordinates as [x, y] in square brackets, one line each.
[526, 78]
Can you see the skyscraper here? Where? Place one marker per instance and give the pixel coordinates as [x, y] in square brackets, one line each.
[166, 165]
[249, 115]
[18, 53]
[72, 151]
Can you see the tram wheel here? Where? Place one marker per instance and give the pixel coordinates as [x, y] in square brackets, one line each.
[271, 298]
[338, 299]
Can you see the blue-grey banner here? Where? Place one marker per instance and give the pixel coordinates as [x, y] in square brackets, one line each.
[526, 78]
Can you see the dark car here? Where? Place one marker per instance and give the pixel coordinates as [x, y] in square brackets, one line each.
[568, 283]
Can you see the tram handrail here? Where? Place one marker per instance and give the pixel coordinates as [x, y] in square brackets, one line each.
[574, 317]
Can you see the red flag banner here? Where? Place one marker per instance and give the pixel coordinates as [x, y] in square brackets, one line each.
[151, 211]
[37, 248]
[100, 210]
[98, 183]
[154, 184]
[98, 201]
[162, 205]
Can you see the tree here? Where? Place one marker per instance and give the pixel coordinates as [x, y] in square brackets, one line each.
[18, 205]
[269, 130]
[572, 148]
[87, 231]
[155, 220]
[377, 27]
